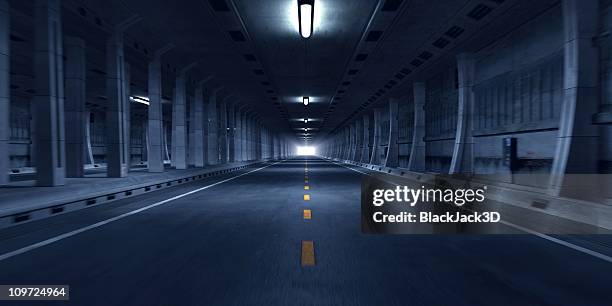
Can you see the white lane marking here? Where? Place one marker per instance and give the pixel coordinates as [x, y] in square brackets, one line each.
[529, 231]
[113, 219]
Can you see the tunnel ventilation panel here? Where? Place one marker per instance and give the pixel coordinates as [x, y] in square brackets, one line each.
[441, 43]
[391, 5]
[454, 31]
[237, 36]
[373, 36]
[250, 57]
[361, 57]
[219, 5]
[479, 12]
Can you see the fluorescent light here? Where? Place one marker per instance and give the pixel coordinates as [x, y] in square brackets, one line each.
[305, 16]
[305, 120]
[139, 99]
[306, 100]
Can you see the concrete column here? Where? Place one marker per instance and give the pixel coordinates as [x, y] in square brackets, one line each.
[191, 132]
[577, 141]
[198, 127]
[353, 143]
[89, 152]
[375, 158]
[49, 98]
[116, 92]
[155, 128]
[127, 117]
[358, 140]
[212, 128]
[392, 158]
[463, 152]
[231, 132]
[5, 94]
[75, 106]
[223, 143]
[179, 139]
[365, 153]
[417, 152]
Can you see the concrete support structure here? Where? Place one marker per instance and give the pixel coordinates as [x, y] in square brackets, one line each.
[75, 106]
[199, 140]
[223, 132]
[5, 94]
[358, 140]
[365, 153]
[577, 141]
[117, 94]
[179, 128]
[211, 128]
[392, 158]
[191, 132]
[49, 99]
[155, 128]
[231, 132]
[463, 152]
[353, 136]
[417, 152]
[375, 158]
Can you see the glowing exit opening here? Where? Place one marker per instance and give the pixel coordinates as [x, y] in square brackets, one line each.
[306, 150]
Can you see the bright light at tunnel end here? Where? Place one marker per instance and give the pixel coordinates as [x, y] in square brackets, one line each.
[306, 150]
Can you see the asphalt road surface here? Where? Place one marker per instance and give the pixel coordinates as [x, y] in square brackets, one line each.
[243, 239]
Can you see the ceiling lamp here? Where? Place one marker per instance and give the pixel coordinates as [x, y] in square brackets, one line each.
[306, 16]
[305, 120]
[306, 100]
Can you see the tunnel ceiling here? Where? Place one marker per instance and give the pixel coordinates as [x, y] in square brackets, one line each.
[361, 51]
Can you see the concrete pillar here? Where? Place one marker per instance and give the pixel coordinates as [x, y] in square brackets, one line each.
[212, 128]
[358, 140]
[116, 93]
[127, 117]
[191, 132]
[5, 94]
[577, 141]
[417, 152]
[223, 135]
[463, 152]
[49, 98]
[198, 127]
[353, 142]
[392, 158]
[375, 158]
[155, 125]
[365, 153]
[179, 139]
[75, 106]
[231, 132]
[89, 152]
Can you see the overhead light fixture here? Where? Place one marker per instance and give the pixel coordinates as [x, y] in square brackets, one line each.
[306, 100]
[305, 120]
[306, 16]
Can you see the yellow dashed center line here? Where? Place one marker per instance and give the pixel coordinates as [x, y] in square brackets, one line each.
[307, 214]
[306, 197]
[308, 258]
[306, 187]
